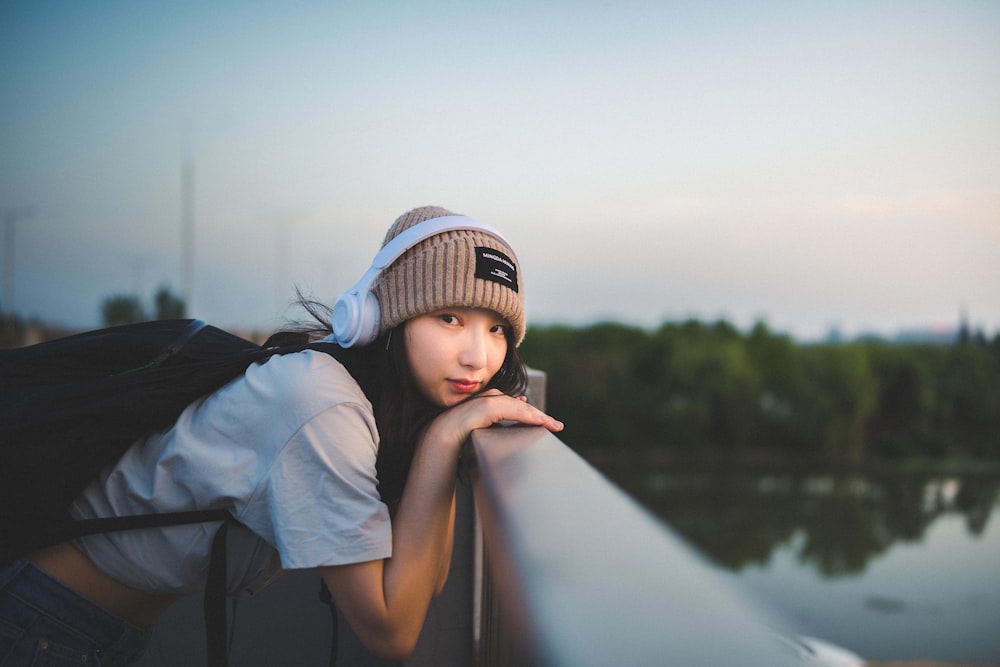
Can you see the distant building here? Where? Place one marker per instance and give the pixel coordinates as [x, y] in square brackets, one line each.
[938, 335]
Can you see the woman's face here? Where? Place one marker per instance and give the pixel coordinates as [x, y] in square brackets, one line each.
[455, 352]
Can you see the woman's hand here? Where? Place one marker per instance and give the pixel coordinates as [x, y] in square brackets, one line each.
[454, 425]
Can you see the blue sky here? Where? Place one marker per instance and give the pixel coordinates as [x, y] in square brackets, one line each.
[808, 164]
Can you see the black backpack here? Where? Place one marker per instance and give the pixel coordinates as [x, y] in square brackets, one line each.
[71, 406]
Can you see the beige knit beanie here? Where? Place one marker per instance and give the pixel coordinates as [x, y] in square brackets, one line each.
[465, 267]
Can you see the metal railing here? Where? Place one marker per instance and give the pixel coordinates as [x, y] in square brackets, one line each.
[578, 574]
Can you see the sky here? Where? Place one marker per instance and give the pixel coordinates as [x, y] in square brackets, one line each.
[811, 165]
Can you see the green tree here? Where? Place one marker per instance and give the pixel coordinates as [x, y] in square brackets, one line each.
[776, 359]
[900, 424]
[837, 400]
[11, 330]
[122, 309]
[714, 385]
[168, 306]
[969, 395]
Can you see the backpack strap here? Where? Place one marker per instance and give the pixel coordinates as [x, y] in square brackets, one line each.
[183, 338]
[217, 635]
[56, 531]
[216, 619]
[327, 599]
[81, 527]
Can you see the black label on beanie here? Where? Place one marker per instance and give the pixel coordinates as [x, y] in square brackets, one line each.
[496, 267]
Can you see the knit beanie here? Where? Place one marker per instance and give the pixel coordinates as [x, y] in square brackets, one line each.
[461, 268]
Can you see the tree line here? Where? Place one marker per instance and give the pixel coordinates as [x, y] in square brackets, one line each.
[125, 308]
[116, 309]
[693, 387]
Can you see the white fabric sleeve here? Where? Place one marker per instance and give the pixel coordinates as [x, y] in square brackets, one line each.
[318, 504]
[315, 496]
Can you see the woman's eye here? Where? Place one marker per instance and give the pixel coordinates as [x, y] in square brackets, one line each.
[448, 318]
[499, 329]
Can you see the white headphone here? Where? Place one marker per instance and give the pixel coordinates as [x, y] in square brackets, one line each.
[357, 314]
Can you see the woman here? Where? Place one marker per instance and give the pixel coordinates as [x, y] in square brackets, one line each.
[347, 465]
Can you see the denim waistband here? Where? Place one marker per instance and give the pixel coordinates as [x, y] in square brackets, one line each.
[37, 589]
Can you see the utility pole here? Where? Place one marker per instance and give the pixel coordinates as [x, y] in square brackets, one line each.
[187, 230]
[10, 218]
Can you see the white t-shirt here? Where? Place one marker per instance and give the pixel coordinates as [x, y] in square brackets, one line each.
[289, 448]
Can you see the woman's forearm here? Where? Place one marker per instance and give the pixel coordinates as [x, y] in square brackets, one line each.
[386, 601]
[423, 530]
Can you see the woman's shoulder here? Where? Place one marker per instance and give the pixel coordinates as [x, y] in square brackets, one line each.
[306, 373]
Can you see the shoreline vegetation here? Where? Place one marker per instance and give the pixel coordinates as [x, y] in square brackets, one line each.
[706, 391]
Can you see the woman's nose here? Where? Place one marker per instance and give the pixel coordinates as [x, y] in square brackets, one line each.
[473, 353]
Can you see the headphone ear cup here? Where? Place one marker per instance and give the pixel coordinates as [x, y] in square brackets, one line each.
[356, 319]
[369, 320]
[345, 319]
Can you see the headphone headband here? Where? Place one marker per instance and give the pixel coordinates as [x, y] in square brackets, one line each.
[356, 314]
[408, 238]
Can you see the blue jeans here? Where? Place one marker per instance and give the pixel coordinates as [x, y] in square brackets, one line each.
[43, 622]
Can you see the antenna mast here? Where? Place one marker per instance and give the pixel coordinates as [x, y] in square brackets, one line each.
[187, 229]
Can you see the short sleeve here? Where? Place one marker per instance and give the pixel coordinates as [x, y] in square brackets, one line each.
[319, 503]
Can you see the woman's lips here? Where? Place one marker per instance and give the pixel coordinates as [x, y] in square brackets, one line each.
[464, 386]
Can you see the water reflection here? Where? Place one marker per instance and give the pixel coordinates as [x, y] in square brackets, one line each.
[739, 516]
[891, 565]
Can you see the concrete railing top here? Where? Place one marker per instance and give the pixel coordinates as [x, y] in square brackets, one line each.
[585, 576]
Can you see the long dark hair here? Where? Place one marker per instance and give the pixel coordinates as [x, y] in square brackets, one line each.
[383, 372]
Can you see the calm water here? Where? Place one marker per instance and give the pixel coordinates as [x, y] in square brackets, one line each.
[889, 565]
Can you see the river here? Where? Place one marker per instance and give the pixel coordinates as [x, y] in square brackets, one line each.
[893, 565]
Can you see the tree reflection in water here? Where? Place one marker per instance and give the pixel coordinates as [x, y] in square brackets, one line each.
[840, 520]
